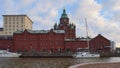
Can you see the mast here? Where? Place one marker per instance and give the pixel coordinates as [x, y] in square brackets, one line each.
[87, 39]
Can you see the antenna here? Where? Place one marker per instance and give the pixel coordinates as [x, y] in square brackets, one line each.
[87, 33]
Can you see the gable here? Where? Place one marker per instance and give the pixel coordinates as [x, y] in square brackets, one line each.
[100, 37]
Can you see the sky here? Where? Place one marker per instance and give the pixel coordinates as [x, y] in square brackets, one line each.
[103, 16]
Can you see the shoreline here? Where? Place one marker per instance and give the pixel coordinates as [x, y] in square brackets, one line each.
[45, 57]
[97, 65]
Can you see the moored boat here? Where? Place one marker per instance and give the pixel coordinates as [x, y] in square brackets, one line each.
[85, 55]
[5, 53]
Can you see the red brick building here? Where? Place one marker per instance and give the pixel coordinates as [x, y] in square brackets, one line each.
[100, 44]
[60, 39]
[39, 40]
[6, 42]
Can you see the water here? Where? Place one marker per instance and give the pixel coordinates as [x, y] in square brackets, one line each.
[49, 62]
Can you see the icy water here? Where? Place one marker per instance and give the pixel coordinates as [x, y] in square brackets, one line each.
[49, 62]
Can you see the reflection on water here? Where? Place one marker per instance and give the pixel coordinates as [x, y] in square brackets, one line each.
[49, 62]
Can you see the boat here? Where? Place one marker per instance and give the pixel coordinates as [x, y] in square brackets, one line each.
[5, 53]
[86, 53]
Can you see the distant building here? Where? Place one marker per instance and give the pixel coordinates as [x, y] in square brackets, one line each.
[69, 28]
[60, 39]
[118, 50]
[12, 23]
[100, 44]
[6, 42]
[113, 47]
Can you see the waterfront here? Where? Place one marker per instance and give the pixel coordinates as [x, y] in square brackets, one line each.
[49, 62]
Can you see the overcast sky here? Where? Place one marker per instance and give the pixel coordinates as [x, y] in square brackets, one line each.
[103, 16]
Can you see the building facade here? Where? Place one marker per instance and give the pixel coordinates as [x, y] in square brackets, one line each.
[60, 39]
[70, 29]
[100, 44]
[1, 31]
[12, 23]
[38, 40]
[6, 42]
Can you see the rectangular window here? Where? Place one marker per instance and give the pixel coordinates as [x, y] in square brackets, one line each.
[9, 22]
[10, 18]
[22, 19]
[5, 25]
[6, 18]
[17, 18]
[13, 18]
[6, 22]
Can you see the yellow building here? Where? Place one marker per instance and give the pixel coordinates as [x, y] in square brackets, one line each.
[12, 23]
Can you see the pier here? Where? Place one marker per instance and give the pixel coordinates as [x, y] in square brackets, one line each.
[46, 55]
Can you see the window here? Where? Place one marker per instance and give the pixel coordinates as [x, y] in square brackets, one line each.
[22, 19]
[6, 22]
[17, 18]
[9, 22]
[13, 18]
[9, 18]
[6, 18]
[5, 25]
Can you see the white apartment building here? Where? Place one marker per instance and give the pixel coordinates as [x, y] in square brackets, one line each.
[12, 23]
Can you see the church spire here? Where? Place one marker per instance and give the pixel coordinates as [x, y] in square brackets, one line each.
[64, 15]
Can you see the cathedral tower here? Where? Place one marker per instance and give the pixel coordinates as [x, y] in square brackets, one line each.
[64, 24]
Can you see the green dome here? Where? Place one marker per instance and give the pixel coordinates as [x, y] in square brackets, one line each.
[64, 15]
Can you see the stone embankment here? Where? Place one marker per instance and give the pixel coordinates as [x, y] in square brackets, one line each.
[98, 65]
